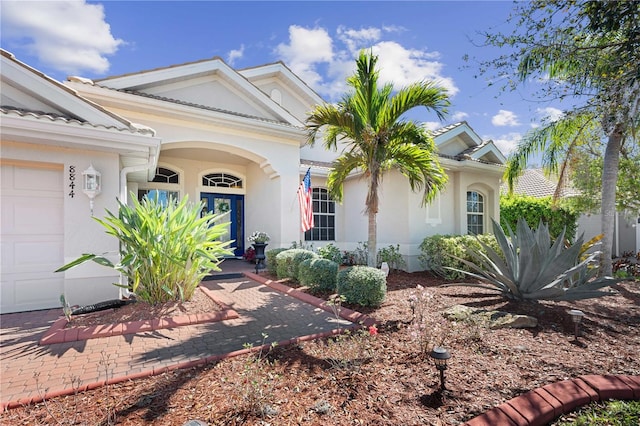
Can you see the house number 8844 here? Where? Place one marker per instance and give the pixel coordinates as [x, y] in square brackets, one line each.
[72, 180]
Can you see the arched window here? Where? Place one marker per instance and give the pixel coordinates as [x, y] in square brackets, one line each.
[475, 212]
[167, 185]
[324, 217]
[164, 175]
[222, 180]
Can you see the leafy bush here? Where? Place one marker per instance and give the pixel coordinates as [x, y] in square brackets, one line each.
[392, 256]
[318, 274]
[362, 285]
[270, 256]
[165, 250]
[330, 252]
[559, 218]
[436, 253]
[289, 261]
[532, 268]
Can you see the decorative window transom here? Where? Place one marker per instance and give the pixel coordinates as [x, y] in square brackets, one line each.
[164, 175]
[222, 180]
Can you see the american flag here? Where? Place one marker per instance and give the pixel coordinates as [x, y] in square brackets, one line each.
[306, 206]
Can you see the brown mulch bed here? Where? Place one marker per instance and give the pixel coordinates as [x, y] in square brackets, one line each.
[200, 303]
[377, 380]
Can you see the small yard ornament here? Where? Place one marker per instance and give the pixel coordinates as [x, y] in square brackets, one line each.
[576, 317]
[385, 268]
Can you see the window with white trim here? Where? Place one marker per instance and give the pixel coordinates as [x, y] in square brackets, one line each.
[222, 180]
[324, 217]
[475, 212]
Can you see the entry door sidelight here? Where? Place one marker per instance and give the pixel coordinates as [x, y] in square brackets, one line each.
[232, 206]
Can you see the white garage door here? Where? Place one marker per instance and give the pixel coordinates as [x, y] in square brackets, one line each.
[31, 236]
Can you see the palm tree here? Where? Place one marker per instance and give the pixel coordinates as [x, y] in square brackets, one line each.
[375, 138]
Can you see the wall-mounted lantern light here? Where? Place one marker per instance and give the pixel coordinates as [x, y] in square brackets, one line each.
[91, 184]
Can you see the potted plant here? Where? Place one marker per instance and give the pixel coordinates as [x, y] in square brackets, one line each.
[259, 240]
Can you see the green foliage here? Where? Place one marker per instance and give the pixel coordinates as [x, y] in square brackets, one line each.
[362, 285]
[586, 52]
[436, 253]
[533, 210]
[288, 262]
[270, 258]
[330, 252]
[605, 413]
[392, 256]
[165, 250]
[586, 177]
[370, 122]
[301, 245]
[318, 274]
[530, 267]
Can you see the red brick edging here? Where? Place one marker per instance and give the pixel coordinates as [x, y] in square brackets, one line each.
[59, 334]
[540, 406]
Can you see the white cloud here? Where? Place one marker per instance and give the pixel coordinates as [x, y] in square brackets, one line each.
[70, 36]
[507, 143]
[235, 54]
[505, 118]
[548, 114]
[432, 125]
[306, 49]
[459, 116]
[311, 50]
[354, 38]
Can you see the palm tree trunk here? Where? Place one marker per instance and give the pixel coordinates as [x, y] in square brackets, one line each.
[371, 242]
[609, 181]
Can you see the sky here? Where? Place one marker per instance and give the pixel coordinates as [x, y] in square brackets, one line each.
[317, 40]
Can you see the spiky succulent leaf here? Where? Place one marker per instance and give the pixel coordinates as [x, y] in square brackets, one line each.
[534, 267]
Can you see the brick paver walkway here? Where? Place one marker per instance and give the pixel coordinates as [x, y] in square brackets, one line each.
[25, 366]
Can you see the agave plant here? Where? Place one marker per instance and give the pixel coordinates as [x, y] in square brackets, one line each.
[165, 250]
[531, 267]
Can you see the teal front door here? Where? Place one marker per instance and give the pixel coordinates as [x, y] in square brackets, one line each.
[232, 206]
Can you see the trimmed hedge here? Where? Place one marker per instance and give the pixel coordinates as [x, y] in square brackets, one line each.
[533, 210]
[362, 285]
[288, 262]
[271, 259]
[437, 248]
[318, 274]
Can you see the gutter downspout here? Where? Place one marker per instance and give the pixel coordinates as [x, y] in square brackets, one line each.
[151, 162]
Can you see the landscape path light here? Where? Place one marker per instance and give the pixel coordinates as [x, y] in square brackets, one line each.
[576, 317]
[440, 356]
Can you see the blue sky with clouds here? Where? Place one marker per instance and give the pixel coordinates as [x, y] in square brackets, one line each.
[415, 40]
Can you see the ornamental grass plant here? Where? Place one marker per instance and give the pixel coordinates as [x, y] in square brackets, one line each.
[165, 249]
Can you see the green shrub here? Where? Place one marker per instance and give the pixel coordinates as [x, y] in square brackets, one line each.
[362, 285]
[165, 250]
[318, 274]
[288, 261]
[436, 252]
[533, 210]
[330, 252]
[392, 256]
[270, 258]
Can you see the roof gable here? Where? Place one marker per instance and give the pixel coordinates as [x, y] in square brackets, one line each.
[27, 90]
[211, 84]
[461, 142]
[279, 83]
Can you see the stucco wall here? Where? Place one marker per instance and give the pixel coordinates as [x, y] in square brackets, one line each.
[88, 283]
